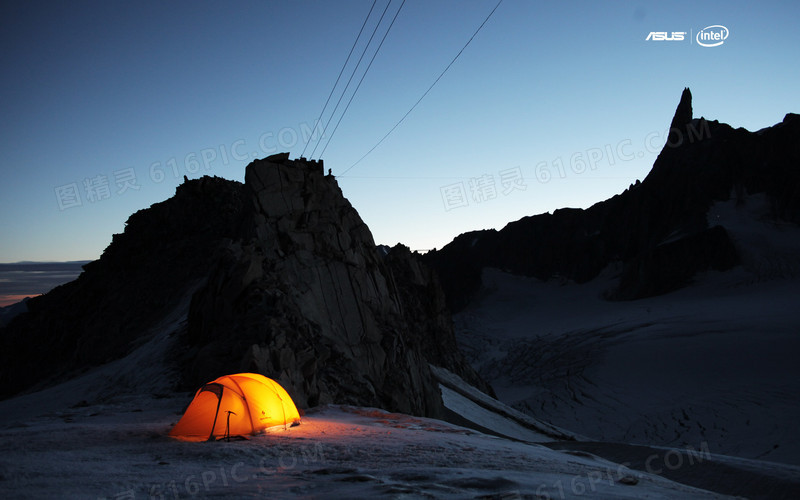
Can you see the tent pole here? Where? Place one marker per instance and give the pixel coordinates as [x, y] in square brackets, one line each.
[216, 413]
[246, 406]
[228, 426]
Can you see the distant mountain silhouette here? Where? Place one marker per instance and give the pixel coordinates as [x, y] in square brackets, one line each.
[657, 229]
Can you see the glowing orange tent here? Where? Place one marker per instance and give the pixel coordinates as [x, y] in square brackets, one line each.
[235, 405]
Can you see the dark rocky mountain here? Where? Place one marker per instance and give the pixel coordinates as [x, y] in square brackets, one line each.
[164, 252]
[284, 279]
[657, 229]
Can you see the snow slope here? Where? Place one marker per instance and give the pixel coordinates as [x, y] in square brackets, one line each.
[120, 449]
[714, 363]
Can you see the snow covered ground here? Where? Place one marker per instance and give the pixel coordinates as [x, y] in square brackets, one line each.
[119, 449]
[712, 365]
[701, 365]
[104, 435]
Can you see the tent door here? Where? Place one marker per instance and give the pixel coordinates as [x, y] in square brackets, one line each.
[216, 389]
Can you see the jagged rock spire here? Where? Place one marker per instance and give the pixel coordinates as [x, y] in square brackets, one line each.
[683, 116]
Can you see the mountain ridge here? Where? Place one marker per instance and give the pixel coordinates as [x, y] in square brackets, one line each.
[285, 279]
[656, 229]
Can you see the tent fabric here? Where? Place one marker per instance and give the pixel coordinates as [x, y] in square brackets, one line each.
[235, 405]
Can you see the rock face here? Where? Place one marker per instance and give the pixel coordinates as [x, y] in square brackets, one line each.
[286, 281]
[657, 229]
[308, 300]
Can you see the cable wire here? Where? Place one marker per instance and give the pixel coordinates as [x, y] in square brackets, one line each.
[328, 100]
[426, 92]
[363, 53]
[362, 77]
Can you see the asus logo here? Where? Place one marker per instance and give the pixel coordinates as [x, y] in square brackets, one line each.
[661, 36]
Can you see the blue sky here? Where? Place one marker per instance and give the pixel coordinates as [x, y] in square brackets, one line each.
[101, 92]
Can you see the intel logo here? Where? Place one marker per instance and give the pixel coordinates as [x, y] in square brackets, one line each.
[712, 36]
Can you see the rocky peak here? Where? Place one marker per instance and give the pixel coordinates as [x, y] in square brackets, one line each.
[285, 280]
[681, 120]
[307, 299]
[683, 113]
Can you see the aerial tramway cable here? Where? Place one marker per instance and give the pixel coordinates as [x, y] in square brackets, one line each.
[425, 93]
[328, 100]
[362, 77]
[363, 53]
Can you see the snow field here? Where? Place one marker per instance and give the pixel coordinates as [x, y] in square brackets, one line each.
[712, 364]
[120, 450]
